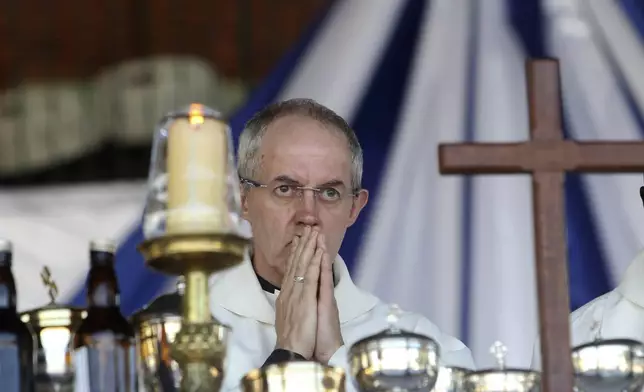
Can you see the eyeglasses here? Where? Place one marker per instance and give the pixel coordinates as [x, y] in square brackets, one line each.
[287, 192]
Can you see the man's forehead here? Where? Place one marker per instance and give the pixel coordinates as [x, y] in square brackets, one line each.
[305, 150]
[306, 166]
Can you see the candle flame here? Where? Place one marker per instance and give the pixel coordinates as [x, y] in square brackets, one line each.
[195, 116]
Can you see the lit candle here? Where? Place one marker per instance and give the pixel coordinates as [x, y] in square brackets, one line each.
[197, 153]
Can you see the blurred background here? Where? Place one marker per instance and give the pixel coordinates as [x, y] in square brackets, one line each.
[83, 85]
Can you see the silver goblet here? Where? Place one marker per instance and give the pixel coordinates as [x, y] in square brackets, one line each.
[295, 376]
[394, 360]
[503, 379]
[609, 365]
[156, 327]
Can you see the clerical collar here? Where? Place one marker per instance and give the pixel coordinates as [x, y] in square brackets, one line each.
[266, 285]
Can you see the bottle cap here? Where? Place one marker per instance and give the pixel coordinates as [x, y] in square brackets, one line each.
[5, 245]
[102, 245]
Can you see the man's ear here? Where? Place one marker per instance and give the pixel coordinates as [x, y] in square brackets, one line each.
[359, 202]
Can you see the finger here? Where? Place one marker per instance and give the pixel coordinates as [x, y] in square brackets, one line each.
[290, 262]
[313, 274]
[321, 242]
[307, 254]
[326, 280]
[301, 243]
[322, 245]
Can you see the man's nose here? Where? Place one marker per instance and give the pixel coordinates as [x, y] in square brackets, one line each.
[307, 209]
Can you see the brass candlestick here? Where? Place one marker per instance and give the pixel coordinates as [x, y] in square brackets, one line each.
[192, 229]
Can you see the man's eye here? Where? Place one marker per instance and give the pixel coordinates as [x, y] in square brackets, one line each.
[330, 194]
[283, 190]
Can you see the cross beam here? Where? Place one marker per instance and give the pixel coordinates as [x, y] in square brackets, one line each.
[547, 157]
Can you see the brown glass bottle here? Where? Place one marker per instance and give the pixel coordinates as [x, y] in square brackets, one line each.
[16, 339]
[104, 342]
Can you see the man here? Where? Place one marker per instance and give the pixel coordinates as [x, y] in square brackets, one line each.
[616, 314]
[300, 166]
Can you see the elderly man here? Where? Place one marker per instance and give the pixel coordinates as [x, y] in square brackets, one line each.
[300, 166]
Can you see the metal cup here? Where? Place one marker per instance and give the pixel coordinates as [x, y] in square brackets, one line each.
[503, 379]
[295, 376]
[609, 365]
[394, 360]
[451, 379]
[53, 327]
[155, 327]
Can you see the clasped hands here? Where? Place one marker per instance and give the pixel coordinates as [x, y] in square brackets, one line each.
[306, 322]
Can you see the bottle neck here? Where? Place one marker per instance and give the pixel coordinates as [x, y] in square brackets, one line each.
[102, 286]
[8, 297]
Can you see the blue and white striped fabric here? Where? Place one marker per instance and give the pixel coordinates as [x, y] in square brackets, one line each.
[411, 74]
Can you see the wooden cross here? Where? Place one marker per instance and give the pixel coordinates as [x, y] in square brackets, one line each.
[547, 157]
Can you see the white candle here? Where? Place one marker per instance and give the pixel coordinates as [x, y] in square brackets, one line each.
[197, 154]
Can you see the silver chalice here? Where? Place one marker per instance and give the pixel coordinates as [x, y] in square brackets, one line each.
[609, 365]
[394, 360]
[502, 378]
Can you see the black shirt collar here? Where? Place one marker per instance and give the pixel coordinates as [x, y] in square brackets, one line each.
[266, 285]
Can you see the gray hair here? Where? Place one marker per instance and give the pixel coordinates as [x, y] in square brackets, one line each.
[251, 137]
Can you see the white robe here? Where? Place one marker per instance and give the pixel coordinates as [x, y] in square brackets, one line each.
[237, 300]
[616, 314]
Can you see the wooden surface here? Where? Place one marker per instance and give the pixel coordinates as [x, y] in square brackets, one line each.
[45, 40]
[547, 156]
[567, 155]
[550, 236]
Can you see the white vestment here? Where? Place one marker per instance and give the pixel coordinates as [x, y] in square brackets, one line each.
[237, 300]
[616, 314]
